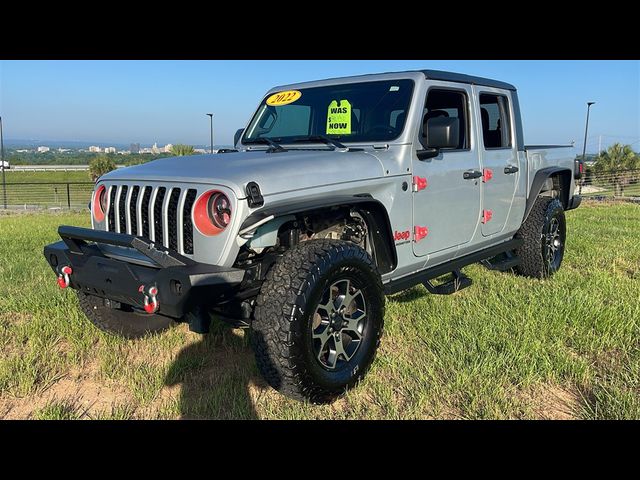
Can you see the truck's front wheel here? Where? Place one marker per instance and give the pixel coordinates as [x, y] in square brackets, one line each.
[318, 320]
[124, 321]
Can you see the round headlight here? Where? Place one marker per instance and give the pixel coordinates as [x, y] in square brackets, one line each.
[220, 210]
[212, 212]
[99, 203]
[103, 200]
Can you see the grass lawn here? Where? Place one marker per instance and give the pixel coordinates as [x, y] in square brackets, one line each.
[507, 347]
[28, 190]
[26, 176]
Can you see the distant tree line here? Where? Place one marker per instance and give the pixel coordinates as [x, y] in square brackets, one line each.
[104, 163]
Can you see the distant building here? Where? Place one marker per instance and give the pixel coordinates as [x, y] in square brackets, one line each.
[63, 150]
[25, 150]
[95, 149]
[155, 148]
[110, 150]
[134, 147]
[43, 149]
[200, 150]
[123, 152]
[167, 148]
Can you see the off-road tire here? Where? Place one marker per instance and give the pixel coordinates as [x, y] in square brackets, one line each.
[285, 308]
[124, 322]
[533, 232]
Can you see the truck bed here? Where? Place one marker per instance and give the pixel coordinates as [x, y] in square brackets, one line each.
[543, 156]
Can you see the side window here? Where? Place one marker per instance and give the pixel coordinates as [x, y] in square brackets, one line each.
[496, 127]
[449, 103]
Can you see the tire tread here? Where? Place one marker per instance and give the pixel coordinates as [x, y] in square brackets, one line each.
[276, 331]
[530, 253]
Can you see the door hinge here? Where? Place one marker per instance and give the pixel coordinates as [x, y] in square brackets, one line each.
[487, 174]
[419, 233]
[419, 183]
[486, 215]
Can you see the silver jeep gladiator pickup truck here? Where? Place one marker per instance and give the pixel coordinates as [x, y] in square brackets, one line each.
[337, 193]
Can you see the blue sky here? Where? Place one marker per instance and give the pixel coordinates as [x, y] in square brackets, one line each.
[166, 101]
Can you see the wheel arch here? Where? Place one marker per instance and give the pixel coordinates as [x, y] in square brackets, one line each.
[561, 180]
[373, 211]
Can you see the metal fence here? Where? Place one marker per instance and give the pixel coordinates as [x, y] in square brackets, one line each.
[621, 184]
[618, 184]
[52, 196]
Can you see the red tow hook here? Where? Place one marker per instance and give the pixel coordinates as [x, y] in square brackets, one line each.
[63, 276]
[151, 303]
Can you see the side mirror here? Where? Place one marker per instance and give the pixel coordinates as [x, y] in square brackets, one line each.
[238, 134]
[439, 132]
[442, 132]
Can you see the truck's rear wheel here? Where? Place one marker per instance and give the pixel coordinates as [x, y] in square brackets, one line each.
[125, 321]
[544, 234]
[318, 320]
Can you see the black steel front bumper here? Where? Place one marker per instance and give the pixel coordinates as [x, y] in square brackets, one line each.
[182, 283]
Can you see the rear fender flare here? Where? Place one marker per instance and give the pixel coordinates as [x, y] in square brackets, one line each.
[564, 174]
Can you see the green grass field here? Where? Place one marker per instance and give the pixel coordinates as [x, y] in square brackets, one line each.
[507, 347]
[14, 176]
[28, 190]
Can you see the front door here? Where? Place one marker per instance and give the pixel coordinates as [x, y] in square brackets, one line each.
[446, 205]
[499, 158]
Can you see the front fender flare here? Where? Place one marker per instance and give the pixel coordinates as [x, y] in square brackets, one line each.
[374, 213]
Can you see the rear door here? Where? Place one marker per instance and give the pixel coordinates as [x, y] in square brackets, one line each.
[499, 157]
[446, 206]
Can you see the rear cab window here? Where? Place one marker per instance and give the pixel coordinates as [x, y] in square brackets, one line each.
[496, 124]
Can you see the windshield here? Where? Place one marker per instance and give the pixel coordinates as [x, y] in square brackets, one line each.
[355, 112]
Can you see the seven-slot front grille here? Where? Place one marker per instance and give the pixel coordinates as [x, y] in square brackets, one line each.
[161, 214]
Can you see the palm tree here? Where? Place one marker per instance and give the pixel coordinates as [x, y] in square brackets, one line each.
[180, 150]
[617, 161]
[99, 166]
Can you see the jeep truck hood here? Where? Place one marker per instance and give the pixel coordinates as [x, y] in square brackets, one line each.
[274, 172]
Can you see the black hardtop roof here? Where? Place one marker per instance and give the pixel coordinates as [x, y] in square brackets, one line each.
[429, 74]
[462, 78]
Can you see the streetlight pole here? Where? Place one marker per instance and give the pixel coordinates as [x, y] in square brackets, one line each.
[211, 118]
[584, 148]
[4, 180]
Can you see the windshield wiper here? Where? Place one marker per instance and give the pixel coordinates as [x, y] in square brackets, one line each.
[273, 146]
[322, 139]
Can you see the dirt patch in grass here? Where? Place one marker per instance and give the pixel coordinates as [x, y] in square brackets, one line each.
[610, 360]
[89, 397]
[15, 318]
[552, 402]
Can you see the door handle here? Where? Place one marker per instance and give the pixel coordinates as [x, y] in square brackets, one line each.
[470, 175]
[510, 169]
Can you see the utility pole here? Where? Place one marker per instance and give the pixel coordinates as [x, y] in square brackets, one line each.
[210, 115]
[584, 149]
[4, 180]
[599, 144]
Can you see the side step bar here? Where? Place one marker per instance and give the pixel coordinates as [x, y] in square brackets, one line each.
[395, 286]
[503, 262]
[458, 281]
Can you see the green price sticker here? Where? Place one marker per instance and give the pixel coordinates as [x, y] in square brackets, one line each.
[339, 118]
